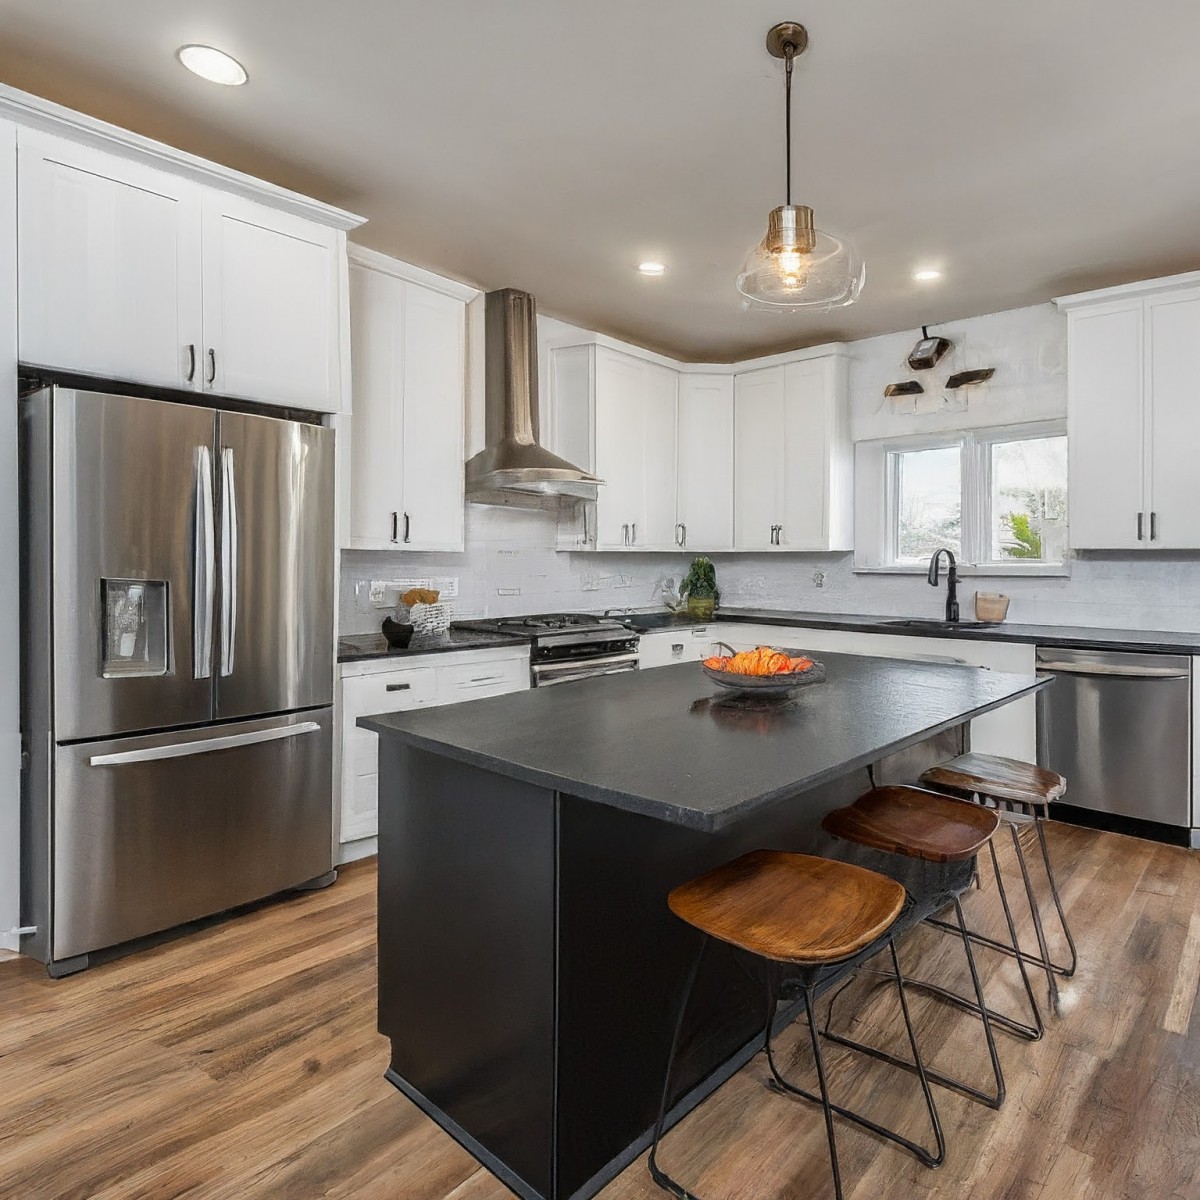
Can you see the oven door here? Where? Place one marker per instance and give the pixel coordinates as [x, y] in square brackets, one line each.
[547, 673]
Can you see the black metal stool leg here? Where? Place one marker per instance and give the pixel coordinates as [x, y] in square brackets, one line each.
[659, 1176]
[978, 1009]
[1062, 916]
[1035, 1031]
[1036, 912]
[780, 1084]
[922, 1074]
[997, 1100]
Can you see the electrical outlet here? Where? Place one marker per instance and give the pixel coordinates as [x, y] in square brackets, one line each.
[378, 592]
[508, 591]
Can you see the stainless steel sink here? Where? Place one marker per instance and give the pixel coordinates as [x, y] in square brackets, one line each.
[931, 623]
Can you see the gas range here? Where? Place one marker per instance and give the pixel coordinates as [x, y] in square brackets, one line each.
[567, 646]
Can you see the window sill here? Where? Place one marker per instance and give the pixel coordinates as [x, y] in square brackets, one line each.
[977, 571]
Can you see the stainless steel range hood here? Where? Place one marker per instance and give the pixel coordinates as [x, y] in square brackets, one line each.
[512, 462]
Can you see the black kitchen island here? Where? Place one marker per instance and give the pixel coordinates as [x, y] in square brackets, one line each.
[528, 965]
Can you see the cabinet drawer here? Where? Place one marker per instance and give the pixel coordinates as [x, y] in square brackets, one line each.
[469, 681]
[397, 691]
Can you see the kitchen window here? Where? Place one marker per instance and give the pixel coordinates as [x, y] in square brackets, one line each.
[996, 497]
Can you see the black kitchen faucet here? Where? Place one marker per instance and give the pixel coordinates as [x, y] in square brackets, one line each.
[951, 580]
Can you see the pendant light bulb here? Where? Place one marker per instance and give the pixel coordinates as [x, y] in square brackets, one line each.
[796, 267]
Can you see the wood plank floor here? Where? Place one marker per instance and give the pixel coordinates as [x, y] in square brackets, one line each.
[242, 1062]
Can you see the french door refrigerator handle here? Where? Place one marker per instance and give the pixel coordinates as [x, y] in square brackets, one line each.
[185, 749]
[205, 567]
[229, 560]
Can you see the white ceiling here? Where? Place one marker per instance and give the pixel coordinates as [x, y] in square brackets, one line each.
[1027, 148]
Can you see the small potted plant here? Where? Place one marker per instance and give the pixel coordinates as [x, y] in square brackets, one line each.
[700, 588]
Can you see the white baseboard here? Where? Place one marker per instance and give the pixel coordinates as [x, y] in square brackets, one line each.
[349, 852]
[10, 839]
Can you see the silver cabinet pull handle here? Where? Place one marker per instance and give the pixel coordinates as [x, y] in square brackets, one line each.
[229, 562]
[633, 540]
[1154, 527]
[395, 527]
[206, 746]
[1140, 527]
[407, 527]
[398, 687]
[487, 678]
[212, 366]
[205, 567]
[191, 373]
[625, 534]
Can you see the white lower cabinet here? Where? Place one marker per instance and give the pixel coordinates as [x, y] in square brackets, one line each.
[1010, 731]
[666, 646]
[390, 685]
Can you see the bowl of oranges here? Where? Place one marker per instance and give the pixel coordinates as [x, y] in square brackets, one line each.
[763, 671]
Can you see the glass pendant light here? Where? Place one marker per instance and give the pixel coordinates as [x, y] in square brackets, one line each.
[797, 267]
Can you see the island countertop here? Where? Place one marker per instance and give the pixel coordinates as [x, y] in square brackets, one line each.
[664, 744]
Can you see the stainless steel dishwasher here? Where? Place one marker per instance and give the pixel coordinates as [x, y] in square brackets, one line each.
[1118, 726]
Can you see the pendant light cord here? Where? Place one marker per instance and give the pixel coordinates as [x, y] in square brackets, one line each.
[789, 54]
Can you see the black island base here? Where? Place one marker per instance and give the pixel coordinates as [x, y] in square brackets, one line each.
[529, 969]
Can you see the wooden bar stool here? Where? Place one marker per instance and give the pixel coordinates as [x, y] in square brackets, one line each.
[927, 825]
[1021, 793]
[817, 917]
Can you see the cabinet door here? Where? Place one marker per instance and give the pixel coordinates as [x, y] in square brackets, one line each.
[808, 432]
[1105, 422]
[377, 352]
[434, 377]
[271, 319]
[654, 526]
[1173, 385]
[620, 448]
[109, 263]
[705, 466]
[758, 437]
[395, 691]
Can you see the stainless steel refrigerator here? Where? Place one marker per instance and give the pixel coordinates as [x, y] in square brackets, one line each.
[177, 680]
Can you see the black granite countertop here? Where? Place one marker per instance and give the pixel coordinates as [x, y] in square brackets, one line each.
[362, 646]
[664, 744]
[1073, 636]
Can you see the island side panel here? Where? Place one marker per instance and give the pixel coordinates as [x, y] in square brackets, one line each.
[466, 954]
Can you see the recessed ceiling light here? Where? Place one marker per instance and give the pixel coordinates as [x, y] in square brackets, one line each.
[212, 64]
[652, 268]
[927, 275]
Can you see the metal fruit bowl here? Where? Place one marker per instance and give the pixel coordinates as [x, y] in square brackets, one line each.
[767, 685]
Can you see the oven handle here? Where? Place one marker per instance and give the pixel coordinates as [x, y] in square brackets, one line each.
[551, 682]
[547, 673]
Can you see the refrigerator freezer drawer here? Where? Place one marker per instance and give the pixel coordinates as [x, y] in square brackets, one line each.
[151, 832]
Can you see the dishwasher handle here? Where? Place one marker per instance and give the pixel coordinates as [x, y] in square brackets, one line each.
[1111, 672]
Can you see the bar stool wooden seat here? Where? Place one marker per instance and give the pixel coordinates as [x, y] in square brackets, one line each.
[927, 825]
[1022, 793]
[816, 918]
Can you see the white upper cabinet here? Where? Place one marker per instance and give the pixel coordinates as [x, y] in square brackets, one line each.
[109, 264]
[1133, 415]
[635, 414]
[1104, 438]
[705, 452]
[758, 457]
[434, 406]
[793, 460]
[271, 304]
[1173, 435]
[135, 273]
[409, 391]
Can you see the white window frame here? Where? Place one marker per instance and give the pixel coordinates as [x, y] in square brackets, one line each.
[880, 491]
